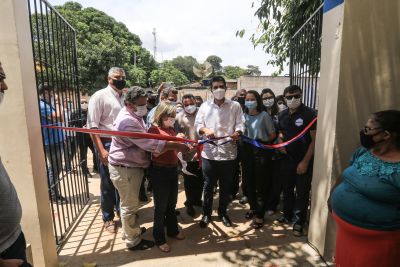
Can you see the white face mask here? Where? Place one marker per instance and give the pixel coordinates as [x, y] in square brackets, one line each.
[141, 110]
[268, 102]
[191, 109]
[219, 94]
[169, 122]
[282, 107]
[294, 103]
[84, 107]
[1, 97]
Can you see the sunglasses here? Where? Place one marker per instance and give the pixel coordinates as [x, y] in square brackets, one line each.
[290, 97]
[218, 87]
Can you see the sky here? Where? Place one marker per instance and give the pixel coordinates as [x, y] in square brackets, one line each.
[197, 28]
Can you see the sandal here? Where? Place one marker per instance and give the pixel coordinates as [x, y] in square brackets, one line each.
[143, 245]
[165, 248]
[257, 225]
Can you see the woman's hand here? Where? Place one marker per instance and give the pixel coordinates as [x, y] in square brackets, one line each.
[181, 135]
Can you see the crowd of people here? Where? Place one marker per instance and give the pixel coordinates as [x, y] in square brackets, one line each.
[237, 136]
[225, 160]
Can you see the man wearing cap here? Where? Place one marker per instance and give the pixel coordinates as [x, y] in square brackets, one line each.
[103, 109]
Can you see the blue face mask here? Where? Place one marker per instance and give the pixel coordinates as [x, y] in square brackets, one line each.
[250, 104]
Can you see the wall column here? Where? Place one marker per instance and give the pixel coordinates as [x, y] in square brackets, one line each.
[21, 146]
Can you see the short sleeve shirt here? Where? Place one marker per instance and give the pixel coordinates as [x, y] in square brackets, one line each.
[292, 124]
[50, 136]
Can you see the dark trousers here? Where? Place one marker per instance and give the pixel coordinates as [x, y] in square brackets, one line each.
[54, 167]
[274, 195]
[295, 204]
[193, 184]
[257, 175]
[217, 170]
[16, 251]
[69, 152]
[165, 194]
[238, 174]
[85, 142]
[109, 194]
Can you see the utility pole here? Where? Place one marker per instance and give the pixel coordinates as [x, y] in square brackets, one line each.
[155, 43]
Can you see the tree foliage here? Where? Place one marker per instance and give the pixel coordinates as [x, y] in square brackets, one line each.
[102, 42]
[185, 64]
[252, 70]
[215, 61]
[168, 73]
[278, 22]
[233, 72]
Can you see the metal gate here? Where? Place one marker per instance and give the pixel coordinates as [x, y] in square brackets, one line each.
[305, 57]
[54, 51]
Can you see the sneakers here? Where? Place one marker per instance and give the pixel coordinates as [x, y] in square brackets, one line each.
[143, 245]
[283, 220]
[110, 227]
[297, 229]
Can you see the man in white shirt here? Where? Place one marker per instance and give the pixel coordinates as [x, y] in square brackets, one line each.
[219, 117]
[103, 109]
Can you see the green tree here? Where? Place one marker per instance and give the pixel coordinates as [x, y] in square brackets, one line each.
[215, 61]
[233, 72]
[168, 73]
[279, 20]
[252, 70]
[102, 42]
[185, 64]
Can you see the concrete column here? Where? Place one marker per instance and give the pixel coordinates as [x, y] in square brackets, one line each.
[21, 146]
[359, 75]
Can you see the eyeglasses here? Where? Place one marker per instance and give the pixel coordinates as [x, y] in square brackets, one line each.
[290, 97]
[368, 129]
[218, 87]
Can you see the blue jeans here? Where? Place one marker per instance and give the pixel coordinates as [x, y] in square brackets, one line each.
[16, 251]
[165, 194]
[217, 170]
[109, 195]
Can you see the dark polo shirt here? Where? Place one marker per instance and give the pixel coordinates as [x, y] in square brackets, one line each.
[292, 124]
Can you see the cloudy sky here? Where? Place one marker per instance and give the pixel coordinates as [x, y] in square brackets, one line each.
[197, 28]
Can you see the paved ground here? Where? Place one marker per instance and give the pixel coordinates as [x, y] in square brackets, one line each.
[216, 246]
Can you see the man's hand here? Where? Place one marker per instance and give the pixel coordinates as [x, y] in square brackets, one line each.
[302, 167]
[104, 157]
[235, 136]
[11, 262]
[180, 135]
[209, 133]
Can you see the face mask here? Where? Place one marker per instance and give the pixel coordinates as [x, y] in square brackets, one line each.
[84, 106]
[282, 107]
[367, 141]
[219, 94]
[294, 103]
[191, 109]
[268, 102]
[250, 104]
[172, 102]
[141, 110]
[1, 97]
[119, 84]
[241, 100]
[169, 122]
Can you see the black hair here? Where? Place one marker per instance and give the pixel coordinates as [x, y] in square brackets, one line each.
[188, 96]
[389, 120]
[274, 109]
[44, 87]
[291, 89]
[133, 94]
[260, 106]
[280, 98]
[198, 97]
[217, 79]
[166, 92]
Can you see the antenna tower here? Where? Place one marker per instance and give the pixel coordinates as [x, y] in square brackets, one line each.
[155, 43]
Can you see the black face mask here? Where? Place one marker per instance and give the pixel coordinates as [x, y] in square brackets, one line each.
[367, 141]
[241, 100]
[119, 84]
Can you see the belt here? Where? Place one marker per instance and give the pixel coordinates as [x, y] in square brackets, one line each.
[123, 166]
[161, 165]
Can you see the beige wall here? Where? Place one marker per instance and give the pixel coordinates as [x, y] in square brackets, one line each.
[21, 145]
[359, 75]
[277, 84]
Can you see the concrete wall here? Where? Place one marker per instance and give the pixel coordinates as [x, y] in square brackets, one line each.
[21, 145]
[359, 75]
[277, 84]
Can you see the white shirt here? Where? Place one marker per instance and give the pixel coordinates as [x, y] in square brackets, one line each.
[223, 121]
[103, 109]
